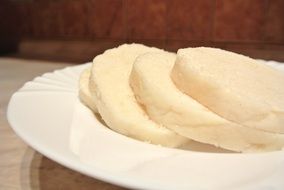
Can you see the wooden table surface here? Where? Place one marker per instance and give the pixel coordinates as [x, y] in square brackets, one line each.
[21, 167]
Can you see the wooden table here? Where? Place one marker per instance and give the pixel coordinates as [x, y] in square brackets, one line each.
[21, 167]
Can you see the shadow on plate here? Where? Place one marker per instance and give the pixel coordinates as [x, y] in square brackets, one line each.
[191, 146]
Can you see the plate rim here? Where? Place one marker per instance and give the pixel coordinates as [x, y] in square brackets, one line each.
[80, 167]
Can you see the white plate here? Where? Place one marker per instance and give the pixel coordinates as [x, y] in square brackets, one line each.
[43, 111]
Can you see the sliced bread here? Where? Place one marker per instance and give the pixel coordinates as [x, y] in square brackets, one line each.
[115, 99]
[233, 86]
[84, 91]
[167, 105]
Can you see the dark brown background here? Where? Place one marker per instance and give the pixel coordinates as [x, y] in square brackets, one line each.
[77, 30]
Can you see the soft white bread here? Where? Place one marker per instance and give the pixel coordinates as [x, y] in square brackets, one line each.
[165, 104]
[153, 87]
[84, 91]
[115, 99]
[234, 86]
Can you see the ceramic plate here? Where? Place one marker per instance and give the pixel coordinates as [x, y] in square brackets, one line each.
[47, 114]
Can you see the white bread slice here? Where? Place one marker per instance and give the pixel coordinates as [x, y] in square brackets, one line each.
[165, 104]
[84, 91]
[115, 99]
[234, 86]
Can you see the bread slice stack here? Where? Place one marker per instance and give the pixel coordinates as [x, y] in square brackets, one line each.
[234, 86]
[84, 91]
[115, 101]
[204, 94]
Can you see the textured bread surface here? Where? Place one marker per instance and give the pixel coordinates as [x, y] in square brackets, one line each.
[167, 105]
[84, 91]
[115, 99]
[233, 86]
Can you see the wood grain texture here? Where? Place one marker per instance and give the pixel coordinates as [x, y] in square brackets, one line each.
[146, 19]
[274, 25]
[190, 20]
[245, 22]
[239, 20]
[20, 166]
[106, 19]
